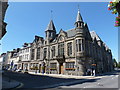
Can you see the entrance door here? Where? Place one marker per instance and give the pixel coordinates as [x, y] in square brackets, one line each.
[61, 68]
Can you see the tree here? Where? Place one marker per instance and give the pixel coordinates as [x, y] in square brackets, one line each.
[118, 65]
[115, 63]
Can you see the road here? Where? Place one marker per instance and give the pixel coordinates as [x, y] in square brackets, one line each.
[107, 81]
[38, 81]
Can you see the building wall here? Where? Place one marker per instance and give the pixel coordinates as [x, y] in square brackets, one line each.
[3, 8]
[95, 53]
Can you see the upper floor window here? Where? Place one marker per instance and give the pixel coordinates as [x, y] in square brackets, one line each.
[32, 54]
[38, 53]
[69, 48]
[20, 58]
[79, 45]
[45, 52]
[70, 65]
[45, 42]
[27, 56]
[61, 49]
[27, 50]
[20, 52]
[53, 51]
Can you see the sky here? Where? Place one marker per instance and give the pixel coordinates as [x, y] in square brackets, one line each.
[27, 19]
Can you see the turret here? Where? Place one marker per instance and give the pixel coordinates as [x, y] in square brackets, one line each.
[79, 21]
[50, 31]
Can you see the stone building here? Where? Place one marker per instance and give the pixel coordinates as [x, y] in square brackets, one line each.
[72, 52]
[3, 8]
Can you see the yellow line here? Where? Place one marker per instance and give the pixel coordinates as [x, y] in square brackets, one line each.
[21, 85]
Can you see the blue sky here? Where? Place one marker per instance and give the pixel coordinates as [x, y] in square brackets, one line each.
[25, 20]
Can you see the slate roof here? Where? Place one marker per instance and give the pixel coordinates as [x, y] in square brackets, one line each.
[79, 17]
[71, 32]
[51, 26]
[94, 35]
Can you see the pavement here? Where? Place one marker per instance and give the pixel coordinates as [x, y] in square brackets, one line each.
[8, 83]
[64, 76]
[81, 79]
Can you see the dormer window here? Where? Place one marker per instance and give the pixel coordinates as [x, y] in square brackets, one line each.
[61, 38]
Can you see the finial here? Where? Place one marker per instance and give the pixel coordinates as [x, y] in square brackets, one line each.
[78, 7]
[51, 15]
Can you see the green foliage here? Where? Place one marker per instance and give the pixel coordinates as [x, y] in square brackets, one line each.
[118, 65]
[113, 7]
[115, 63]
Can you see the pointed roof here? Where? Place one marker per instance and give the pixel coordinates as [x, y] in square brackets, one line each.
[79, 17]
[94, 35]
[51, 26]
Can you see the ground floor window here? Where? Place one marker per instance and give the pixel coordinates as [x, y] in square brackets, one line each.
[53, 66]
[25, 66]
[34, 66]
[70, 66]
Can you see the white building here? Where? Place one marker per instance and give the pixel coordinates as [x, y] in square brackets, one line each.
[2, 60]
[24, 57]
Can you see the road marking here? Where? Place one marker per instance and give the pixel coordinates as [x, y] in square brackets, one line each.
[21, 85]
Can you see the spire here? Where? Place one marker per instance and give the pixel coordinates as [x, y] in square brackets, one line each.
[79, 17]
[51, 26]
[51, 14]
